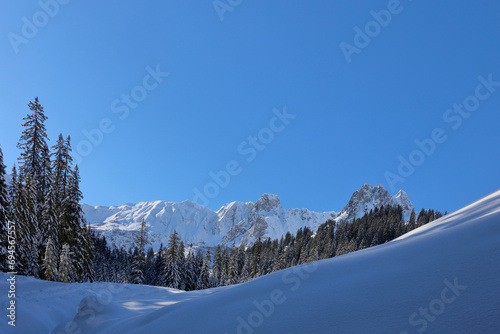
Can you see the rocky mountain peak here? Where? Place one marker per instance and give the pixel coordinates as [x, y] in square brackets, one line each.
[370, 197]
[267, 202]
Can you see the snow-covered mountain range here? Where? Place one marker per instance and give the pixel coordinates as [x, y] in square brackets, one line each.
[238, 222]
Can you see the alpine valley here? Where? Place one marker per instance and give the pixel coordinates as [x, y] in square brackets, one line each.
[236, 222]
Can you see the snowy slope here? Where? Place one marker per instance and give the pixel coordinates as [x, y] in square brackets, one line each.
[234, 222]
[440, 278]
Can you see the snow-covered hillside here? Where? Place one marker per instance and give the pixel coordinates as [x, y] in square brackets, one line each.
[440, 278]
[234, 222]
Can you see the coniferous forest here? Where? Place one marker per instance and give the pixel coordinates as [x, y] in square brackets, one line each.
[192, 269]
[42, 200]
[53, 241]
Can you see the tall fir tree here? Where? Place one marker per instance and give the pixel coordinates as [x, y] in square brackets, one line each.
[412, 224]
[65, 265]
[160, 266]
[137, 267]
[181, 260]
[233, 267]
[35, 177]
[28, 237]
[50, 261]
[5, 214]
[256, 264]
[204, 279]
[89, 253]
[73, 230]
[217, 267]
[57, 191]
[190, 272]
[33, 145]
[139, 261]
[172, 276]
[224, 277]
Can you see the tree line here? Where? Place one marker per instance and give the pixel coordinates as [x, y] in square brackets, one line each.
[188, 268]
[42, 200]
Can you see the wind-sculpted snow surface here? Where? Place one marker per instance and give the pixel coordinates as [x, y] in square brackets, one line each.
[235, 222]
[440, 278]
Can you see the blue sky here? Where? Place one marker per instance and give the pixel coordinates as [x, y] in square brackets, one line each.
[354, 116]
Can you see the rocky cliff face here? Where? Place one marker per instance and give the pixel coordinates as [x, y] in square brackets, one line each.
[370, 197]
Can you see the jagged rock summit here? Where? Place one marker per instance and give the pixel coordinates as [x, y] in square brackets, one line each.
[370, 197]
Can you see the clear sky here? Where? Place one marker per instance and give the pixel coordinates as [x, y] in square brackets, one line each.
[284, 97]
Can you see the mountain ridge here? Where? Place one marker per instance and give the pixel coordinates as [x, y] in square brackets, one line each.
[235, 222]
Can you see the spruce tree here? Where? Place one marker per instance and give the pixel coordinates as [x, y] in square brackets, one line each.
[73, 229]
[181, 262]
[224, 277]
[139, 258]
[89, 254]
[28, 237]
[217, 267]
[233, 267]
[150, 273]
[57, 191]
[172, 276]
[190, 272]
[50, 261]
[65, 265]
[33, 145]
[412, 224]
[5, 214]
[204, 279]
[256, 265]
[137, 268]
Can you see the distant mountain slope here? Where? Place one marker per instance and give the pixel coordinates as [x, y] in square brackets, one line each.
[234, 222]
